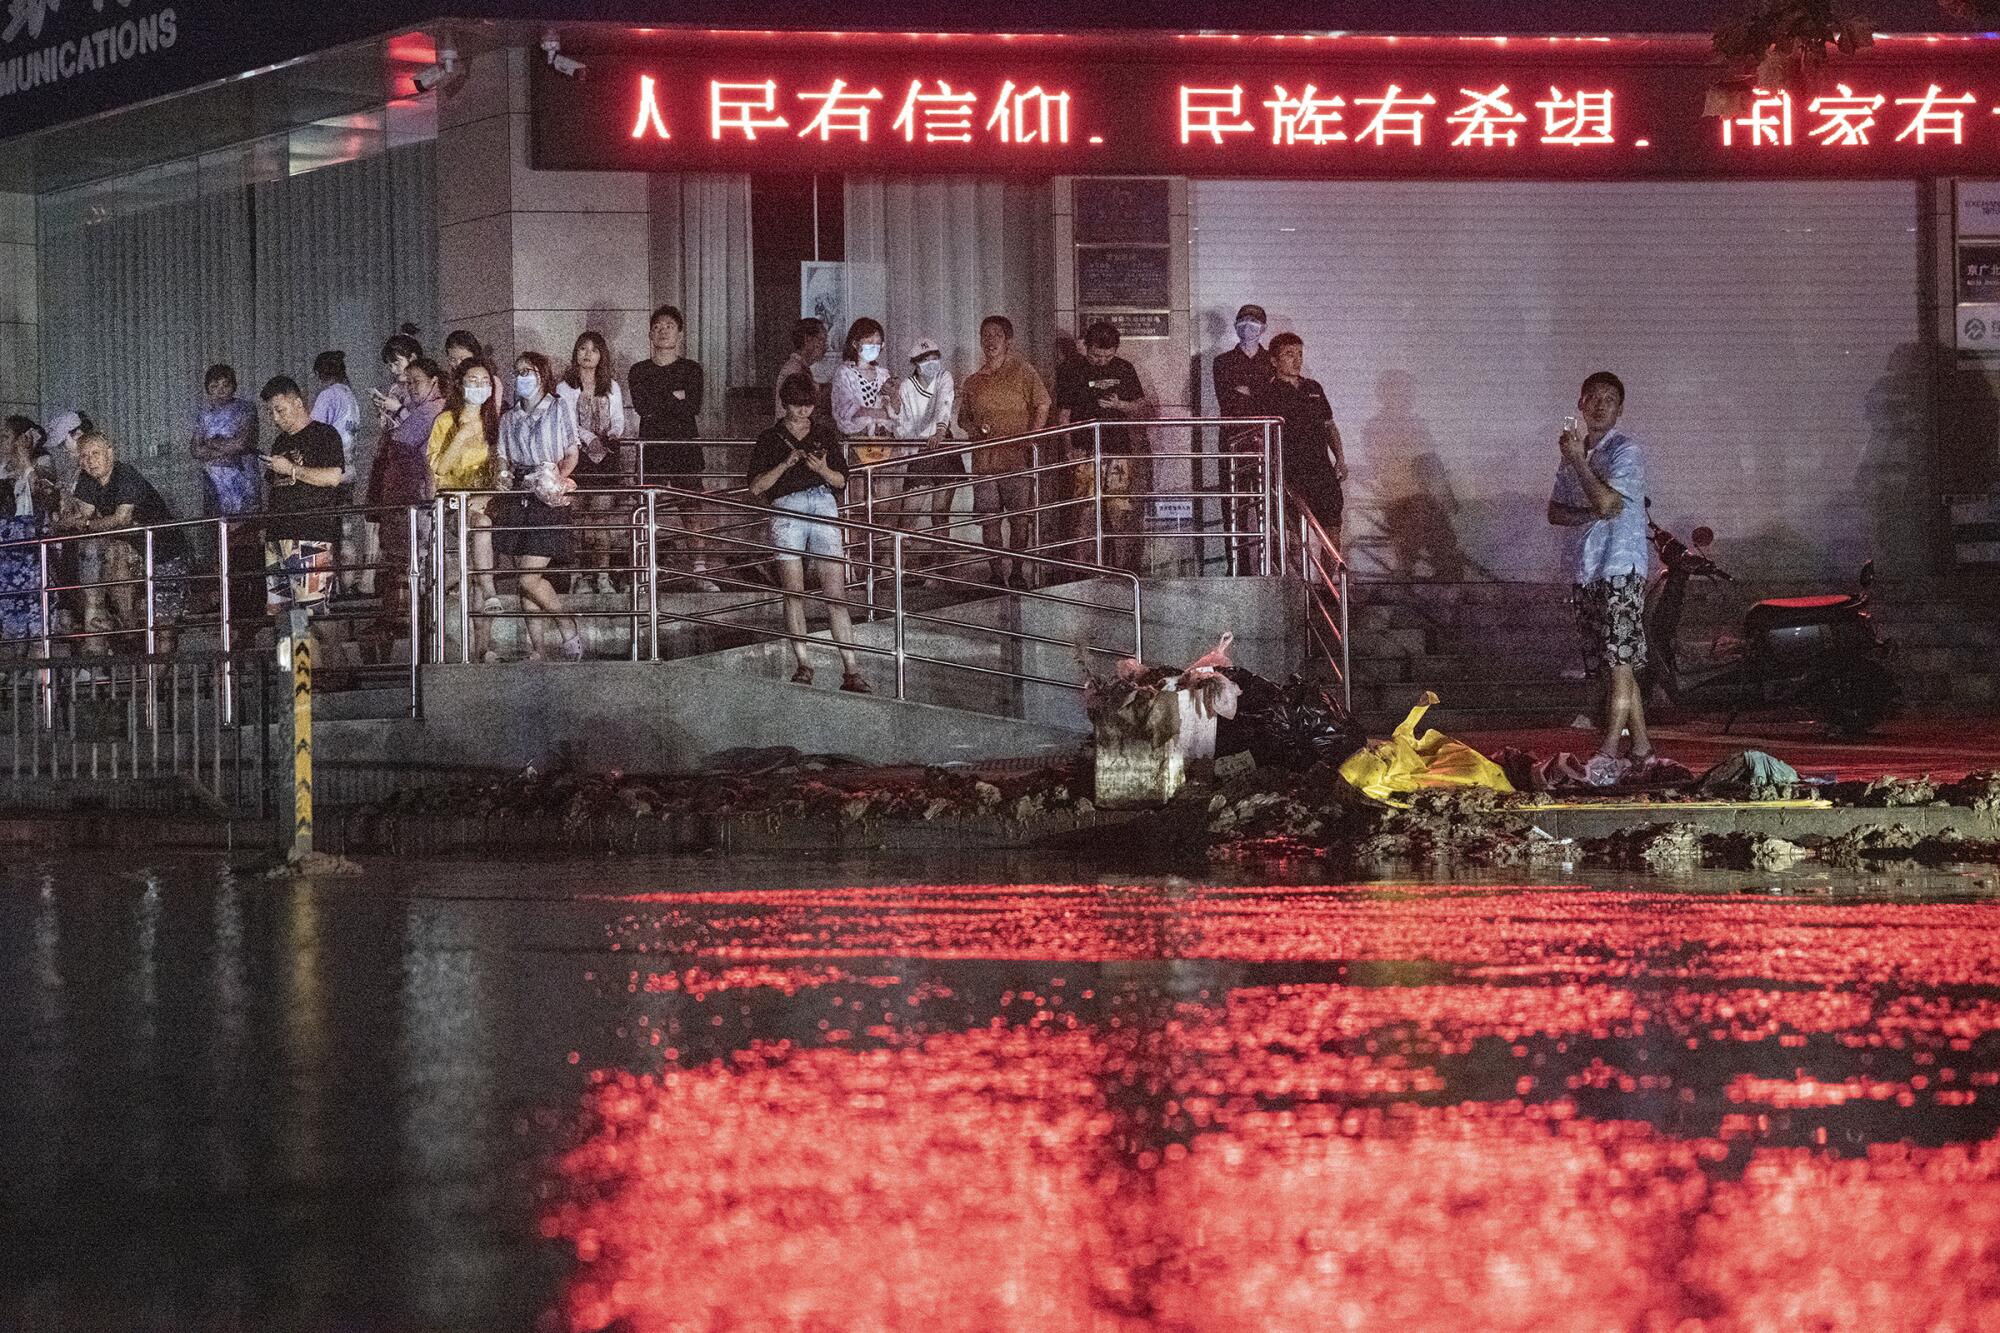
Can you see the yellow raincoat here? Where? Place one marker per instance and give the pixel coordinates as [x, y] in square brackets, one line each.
[1405, 762]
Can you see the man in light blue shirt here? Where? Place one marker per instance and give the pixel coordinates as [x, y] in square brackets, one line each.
[1600, 498]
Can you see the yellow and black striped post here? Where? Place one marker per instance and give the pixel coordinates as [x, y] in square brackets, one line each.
[297, 646]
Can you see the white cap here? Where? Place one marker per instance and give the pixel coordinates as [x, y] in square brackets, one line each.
[924, 347]
[62, 424]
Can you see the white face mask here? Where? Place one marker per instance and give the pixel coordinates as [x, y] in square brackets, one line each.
[1249, 331]
[527, 387]
[929, 367]
[869, 352]
[476, 394]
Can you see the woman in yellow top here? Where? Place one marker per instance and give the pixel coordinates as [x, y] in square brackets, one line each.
[461, 455]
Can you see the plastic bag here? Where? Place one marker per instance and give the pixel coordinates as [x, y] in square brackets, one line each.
[1406, 762]
[1292, 726]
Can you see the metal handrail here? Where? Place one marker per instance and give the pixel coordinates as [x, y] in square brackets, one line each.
[1330, 583]
[901, 615]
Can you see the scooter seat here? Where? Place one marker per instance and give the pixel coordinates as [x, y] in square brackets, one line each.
[1798, 613]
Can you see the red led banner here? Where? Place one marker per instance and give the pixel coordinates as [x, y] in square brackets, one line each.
[1354, 107]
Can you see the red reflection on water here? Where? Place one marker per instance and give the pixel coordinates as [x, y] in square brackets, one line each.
[1470, 1109]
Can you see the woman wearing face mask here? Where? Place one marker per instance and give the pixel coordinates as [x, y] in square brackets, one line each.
[460, 450]
[865, 403]
[538, 451]
[802, 466]
[593, 396]
[1240, 376]
[927, 403]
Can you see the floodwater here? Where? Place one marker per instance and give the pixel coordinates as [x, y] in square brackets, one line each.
[669, 1095]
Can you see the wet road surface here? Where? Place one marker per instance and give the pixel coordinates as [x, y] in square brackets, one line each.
[670, 1095]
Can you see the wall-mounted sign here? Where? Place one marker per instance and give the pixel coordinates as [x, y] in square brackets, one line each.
[1979, 274]
[41, 46]
[1131, 323]
[1979, 208]
[1979, 328]
[1125, 277]
[1121, 210]
[1349, 106]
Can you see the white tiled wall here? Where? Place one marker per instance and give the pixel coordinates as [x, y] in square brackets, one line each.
[1768, 334]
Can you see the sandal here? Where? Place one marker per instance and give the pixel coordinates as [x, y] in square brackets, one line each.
[803, 676]
[853, 684]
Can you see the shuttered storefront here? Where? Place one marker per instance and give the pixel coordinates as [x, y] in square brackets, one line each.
[1768, 334]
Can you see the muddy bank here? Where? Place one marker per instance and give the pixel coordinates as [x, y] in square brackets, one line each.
[801, 803]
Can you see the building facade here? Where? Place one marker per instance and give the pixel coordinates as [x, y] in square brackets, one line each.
[1462, 220]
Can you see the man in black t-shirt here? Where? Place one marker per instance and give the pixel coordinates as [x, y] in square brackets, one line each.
[1315, 461]
[111, 495]
[1101, 385]
[307, 466]
[667, 391]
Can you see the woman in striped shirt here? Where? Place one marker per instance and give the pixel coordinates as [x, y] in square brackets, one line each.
[539, 444]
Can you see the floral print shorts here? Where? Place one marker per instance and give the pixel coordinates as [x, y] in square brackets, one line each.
[1611, 616]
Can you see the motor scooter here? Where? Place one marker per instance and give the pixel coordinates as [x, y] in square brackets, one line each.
[1820, 656]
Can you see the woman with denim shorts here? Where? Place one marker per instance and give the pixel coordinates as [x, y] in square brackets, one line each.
[799, 465]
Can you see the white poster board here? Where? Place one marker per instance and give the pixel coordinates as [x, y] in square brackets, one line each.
[1978, 208]
[838, 292]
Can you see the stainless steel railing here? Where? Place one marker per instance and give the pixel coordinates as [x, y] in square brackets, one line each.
[739, 528]
[146, 725]
[1324, 572]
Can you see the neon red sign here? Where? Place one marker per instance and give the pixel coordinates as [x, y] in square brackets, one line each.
[1070, 105]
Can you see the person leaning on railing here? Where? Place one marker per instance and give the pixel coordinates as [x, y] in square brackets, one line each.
[1101, 385]
[928, 403]
[307, 468]
[112, 495]
[538, 451]
[461, 455]
[598, 403]
[1004, 397]
[400, 480]
[799, 464]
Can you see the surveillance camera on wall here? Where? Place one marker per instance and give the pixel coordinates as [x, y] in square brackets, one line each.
[560, 63]
[430, 76]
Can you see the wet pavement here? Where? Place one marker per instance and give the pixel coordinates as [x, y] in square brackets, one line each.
[706, 1095]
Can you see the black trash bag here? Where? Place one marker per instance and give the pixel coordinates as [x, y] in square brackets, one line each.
[1290, 726]
[1321, 725]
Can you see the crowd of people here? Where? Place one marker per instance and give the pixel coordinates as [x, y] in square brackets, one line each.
[521, 445]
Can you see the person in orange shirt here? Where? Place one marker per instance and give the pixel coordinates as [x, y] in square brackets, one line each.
[1004, 397]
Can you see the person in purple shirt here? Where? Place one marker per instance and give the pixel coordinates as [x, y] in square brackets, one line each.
[225, 444]
[401, 478]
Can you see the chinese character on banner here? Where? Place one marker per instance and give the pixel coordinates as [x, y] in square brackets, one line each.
[1932, 120]
[650, 119]
[841, 111]
[1030, 115]
[1576, 122]
[1767, 124]
[1308, 118]
[944, 116]
[1399, 115]
[1213, 112]
[743, 108]
[1844, 120]
[1488, 120]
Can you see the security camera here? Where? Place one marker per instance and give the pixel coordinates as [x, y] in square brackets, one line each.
[560, 63]
[430, 76]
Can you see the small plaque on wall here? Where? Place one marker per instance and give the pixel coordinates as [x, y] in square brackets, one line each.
[1130, 323]
[1129, 277]
[1114, 210]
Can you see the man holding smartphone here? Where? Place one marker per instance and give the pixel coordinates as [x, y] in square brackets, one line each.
[1600, 499]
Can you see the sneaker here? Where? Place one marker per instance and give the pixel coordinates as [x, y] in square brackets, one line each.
[572, 648]
[803, 676]
[853, 684]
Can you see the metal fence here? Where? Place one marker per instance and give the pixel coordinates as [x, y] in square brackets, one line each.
[160, 729]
